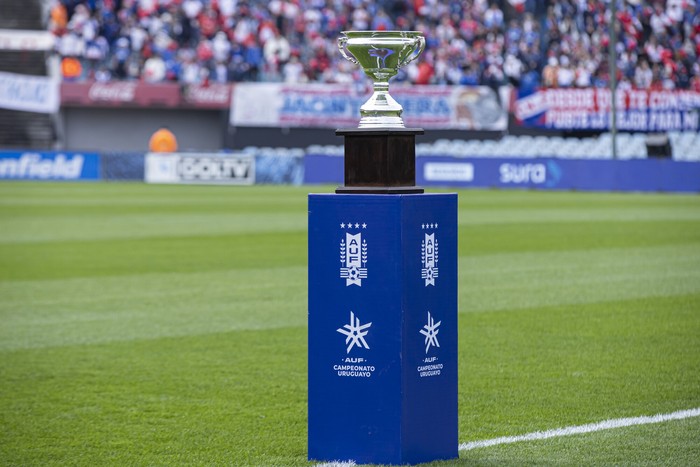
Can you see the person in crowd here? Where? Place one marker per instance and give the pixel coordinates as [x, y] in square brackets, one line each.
[162, 140]
[154, 70]
[71, 68]
[276, 51]
[550, 73]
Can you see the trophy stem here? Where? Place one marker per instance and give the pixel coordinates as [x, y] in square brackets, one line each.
[381, 86]
[381, 110]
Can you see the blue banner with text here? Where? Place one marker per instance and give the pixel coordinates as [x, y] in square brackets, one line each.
[30, 165]
[546, 173]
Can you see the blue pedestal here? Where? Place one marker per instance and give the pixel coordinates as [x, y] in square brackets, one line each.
[383, 328]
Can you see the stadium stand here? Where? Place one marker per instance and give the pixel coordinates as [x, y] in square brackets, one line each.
[685, 147]
[523, 43]
[553, 43]
[17, 128]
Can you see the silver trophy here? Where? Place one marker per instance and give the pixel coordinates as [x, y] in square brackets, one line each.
[381, 54]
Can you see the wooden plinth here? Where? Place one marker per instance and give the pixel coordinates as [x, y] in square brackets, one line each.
[380, 160]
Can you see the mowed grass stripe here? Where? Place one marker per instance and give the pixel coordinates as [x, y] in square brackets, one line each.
[52, 313]
[178, 251]
[90, 197]
[491, 282]
[570, 236]
[526, 280]
[584, 429]
[99, 309]
[106, 226]
[516, 200]
[534, 214]
[668, 443]
[111, 225]
[164, 349]
[55, 260]
[225, 399]
[239, 397]
[546, 367]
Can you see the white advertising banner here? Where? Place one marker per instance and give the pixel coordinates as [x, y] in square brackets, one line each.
[448, 171]
[20, 39]
[29, 93]
[337, 106]
[196, 168]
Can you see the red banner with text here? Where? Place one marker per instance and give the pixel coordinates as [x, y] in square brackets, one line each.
[138, 94]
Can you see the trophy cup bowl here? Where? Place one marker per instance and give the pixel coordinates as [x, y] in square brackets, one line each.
[381, 54]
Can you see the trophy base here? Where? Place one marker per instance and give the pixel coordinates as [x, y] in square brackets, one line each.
[381, 111]
[380, 160]
[379, 190]
[381, 121]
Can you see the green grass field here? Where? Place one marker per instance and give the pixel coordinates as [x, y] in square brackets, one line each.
[166, 325]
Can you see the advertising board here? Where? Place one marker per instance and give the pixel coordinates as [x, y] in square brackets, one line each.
[565, 174]
[337, 106]
[120, 93]
[22, 39]
[546, 173]
[590, 109]
[49, 166]
[137, 94]
[200, 168]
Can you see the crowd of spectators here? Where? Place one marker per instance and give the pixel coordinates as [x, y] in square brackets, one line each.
[489, 42]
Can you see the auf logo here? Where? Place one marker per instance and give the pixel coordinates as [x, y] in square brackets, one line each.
[429, 257]
[353, 257]
[355, 333]
[430, 331]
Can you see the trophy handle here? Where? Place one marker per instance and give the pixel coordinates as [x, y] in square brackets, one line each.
[417, 51]
[342, 41]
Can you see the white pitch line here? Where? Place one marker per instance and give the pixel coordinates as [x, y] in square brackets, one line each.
[577, 430]
[567, 431]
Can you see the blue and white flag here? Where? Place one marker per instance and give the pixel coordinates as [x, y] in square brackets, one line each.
[29, 93]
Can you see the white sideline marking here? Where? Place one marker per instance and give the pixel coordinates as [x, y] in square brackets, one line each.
[567, 431]
[577, 430]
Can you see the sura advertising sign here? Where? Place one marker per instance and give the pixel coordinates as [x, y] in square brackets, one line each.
[560, 174]
[49, 166]
[217, 169]
[543, 173]
[503, 173]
